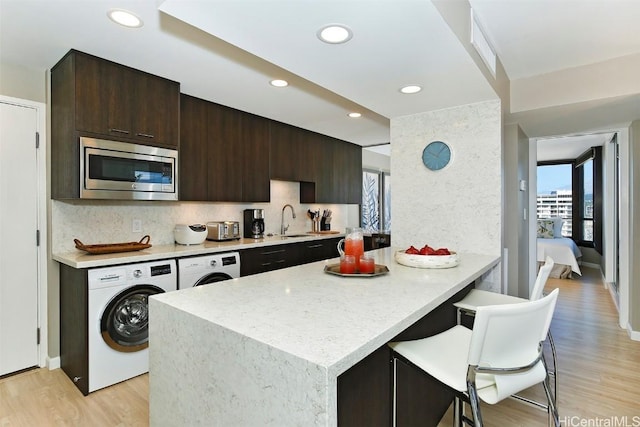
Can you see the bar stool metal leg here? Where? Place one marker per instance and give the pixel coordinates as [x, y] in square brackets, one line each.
[551, 371]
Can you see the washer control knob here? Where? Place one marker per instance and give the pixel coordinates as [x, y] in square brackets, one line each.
[213, 263]
[137, 273]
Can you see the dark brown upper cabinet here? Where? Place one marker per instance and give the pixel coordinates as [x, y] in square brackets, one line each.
[91, 96]
[293, 153]
[120, 102]
[339, 179]
[224, 153]
[329, 170]
[256, 185]
[193, 158]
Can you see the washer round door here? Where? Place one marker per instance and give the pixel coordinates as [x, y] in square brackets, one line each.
[124, 324]
[212, 278]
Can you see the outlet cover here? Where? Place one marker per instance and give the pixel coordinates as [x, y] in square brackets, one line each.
[136, 226]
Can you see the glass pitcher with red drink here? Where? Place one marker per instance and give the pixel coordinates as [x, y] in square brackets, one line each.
[353, 244]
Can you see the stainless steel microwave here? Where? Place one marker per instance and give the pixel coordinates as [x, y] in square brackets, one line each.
[124, 171]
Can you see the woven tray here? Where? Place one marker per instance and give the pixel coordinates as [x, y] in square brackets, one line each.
[114, 247]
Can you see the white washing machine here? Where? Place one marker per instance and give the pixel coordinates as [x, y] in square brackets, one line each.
[203, 270]
[119, 318]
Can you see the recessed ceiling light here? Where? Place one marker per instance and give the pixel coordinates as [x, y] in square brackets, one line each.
[125, 18]
[411, 89]
[279, 83]
[335, 34]
[355, 115]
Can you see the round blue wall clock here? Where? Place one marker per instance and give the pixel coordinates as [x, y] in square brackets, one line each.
[436, 155]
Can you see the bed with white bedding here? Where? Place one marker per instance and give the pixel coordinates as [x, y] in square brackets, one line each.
[564, 252]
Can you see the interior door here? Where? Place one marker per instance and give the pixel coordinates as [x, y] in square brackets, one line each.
[18, 248]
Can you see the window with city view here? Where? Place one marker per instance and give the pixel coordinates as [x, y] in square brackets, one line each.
[555, 197]
[572, 190]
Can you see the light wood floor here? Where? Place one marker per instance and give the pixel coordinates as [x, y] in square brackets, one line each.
[598, 364]
[599, 377]
[41, 398]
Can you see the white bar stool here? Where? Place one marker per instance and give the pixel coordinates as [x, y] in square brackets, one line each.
[478, 298]
[501, 356]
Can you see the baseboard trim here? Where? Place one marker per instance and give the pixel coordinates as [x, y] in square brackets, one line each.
[614, 297]
[590, 265]
[634, 335]
[53, 363]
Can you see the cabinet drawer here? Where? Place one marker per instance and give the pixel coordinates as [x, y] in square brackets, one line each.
[317, 250]
[269, 258]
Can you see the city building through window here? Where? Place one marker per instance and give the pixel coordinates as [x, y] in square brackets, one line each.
[572, 190]
[555, 195]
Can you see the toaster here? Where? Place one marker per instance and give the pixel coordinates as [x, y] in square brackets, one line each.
[223, 230]
[189, 234]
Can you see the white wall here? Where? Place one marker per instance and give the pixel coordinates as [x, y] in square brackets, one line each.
[375, 161]
[516, 201]
[22, 82]
[460, 206]
[579, 84]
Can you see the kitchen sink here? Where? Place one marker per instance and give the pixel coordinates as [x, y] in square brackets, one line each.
[295, 235]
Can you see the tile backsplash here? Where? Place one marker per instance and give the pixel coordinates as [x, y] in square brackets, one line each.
[98, 221]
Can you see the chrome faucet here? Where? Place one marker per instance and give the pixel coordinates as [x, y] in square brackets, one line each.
[284, 229]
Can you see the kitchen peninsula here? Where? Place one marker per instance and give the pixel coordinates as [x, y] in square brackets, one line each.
[284, 348]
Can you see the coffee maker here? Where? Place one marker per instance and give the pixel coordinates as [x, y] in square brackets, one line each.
[254, 223]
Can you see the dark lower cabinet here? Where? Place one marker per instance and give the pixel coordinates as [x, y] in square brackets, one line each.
[269, 258]
[266, 258]
[74, 326]
[317, 250]
[377, 241]
[421, 399]
[365, 391]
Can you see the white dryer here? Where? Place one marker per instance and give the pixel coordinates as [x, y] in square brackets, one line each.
[119, 318]
[203, 270]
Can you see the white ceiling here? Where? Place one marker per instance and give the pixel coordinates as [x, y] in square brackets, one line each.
[570, 147]
[534, 37]
[226, 51]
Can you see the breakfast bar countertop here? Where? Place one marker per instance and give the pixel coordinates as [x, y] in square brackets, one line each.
[267, 349]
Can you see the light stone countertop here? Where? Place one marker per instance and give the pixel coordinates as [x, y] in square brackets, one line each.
[81, 259]
[299, 317]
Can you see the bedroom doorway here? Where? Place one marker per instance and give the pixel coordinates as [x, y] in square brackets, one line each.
[578, 186]
[615, 260]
